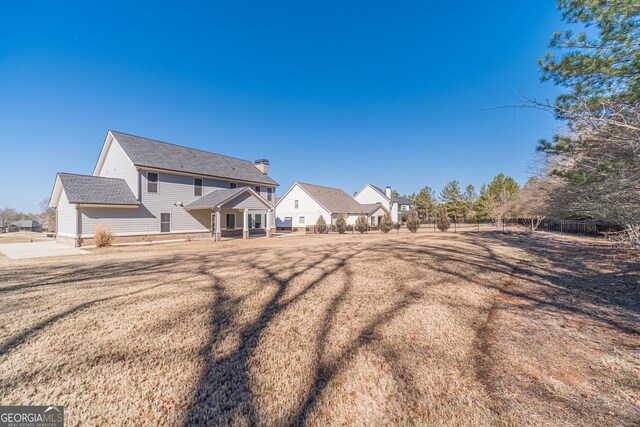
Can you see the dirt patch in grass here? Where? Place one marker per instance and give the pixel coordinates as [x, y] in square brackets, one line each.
[311, 330]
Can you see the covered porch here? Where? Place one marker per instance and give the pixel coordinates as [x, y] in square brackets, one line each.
[237, 212]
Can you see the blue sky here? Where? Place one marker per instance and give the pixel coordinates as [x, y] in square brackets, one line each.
[332, 93]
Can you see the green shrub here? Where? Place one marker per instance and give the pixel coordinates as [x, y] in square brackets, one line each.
[321, 225]
[442, 219]
[413, 222]
[386, 225]
[341, 224]
[361, 224]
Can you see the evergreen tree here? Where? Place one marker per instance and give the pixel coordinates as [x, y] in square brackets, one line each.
[386, 225]
[470, 198]
[424, 202]
[361, 224]
[321, 225]
[341, 224]
[452, 199]
[495, 197]
[413, 222]
[442, 219]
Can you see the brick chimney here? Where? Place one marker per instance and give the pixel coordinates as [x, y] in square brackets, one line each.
[387, 191]
[263, 166]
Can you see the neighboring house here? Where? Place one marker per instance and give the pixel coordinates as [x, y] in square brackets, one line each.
[27, 225]
[144, 189]
[303, 203]
[399, 207]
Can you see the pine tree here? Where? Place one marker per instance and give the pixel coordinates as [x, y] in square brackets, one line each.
[424, 202]
[452, 199]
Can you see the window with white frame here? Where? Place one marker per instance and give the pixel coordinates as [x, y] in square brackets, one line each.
[231, 221]
[197, 186]
[295, 204]
[404, 208]
[300, 219]
[373, 221]
[152, 182]
[165, 222]
[270, 194]
[258, 189]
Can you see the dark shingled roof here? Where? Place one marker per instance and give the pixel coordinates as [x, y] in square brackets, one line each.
[162, 155]
[213, 199]
[401, 200]
[333, 199]
[96, 190]
[26, 223]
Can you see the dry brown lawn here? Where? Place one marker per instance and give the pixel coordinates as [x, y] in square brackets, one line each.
[23, 237]
[455, 329]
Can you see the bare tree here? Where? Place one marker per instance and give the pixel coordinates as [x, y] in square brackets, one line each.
[531, 206]
[7, 216]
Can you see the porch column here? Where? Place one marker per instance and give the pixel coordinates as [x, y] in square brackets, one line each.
[218, 234]
[269, 213]
[245, 224]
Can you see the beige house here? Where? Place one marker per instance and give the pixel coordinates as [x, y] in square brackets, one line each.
[144, 189]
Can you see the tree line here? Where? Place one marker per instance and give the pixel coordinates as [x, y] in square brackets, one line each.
[45, 216]
[492, 202]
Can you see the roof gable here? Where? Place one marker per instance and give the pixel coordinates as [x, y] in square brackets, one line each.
[162, 155]
[332, 199]
[374, 188]
[218, 198]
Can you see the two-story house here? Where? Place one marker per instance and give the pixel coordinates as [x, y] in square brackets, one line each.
[144, 189]
[399, 207]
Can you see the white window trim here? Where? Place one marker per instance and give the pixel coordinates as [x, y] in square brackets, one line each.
[157, 183]
[304, 222]
[226, 222]
[201, 187]
[270, 194]
[169, 213]
[296, 204]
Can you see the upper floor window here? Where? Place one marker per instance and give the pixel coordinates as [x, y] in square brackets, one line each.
[270, 194]
[197, 186]
[233, 185]
[295, 204]
[404, 208]
[152, 182]
[258, 189]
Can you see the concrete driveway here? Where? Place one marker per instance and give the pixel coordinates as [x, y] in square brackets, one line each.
[38, 250]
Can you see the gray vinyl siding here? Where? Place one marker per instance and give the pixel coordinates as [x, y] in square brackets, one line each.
[66, 216]
[146, 218]
[117, 165]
